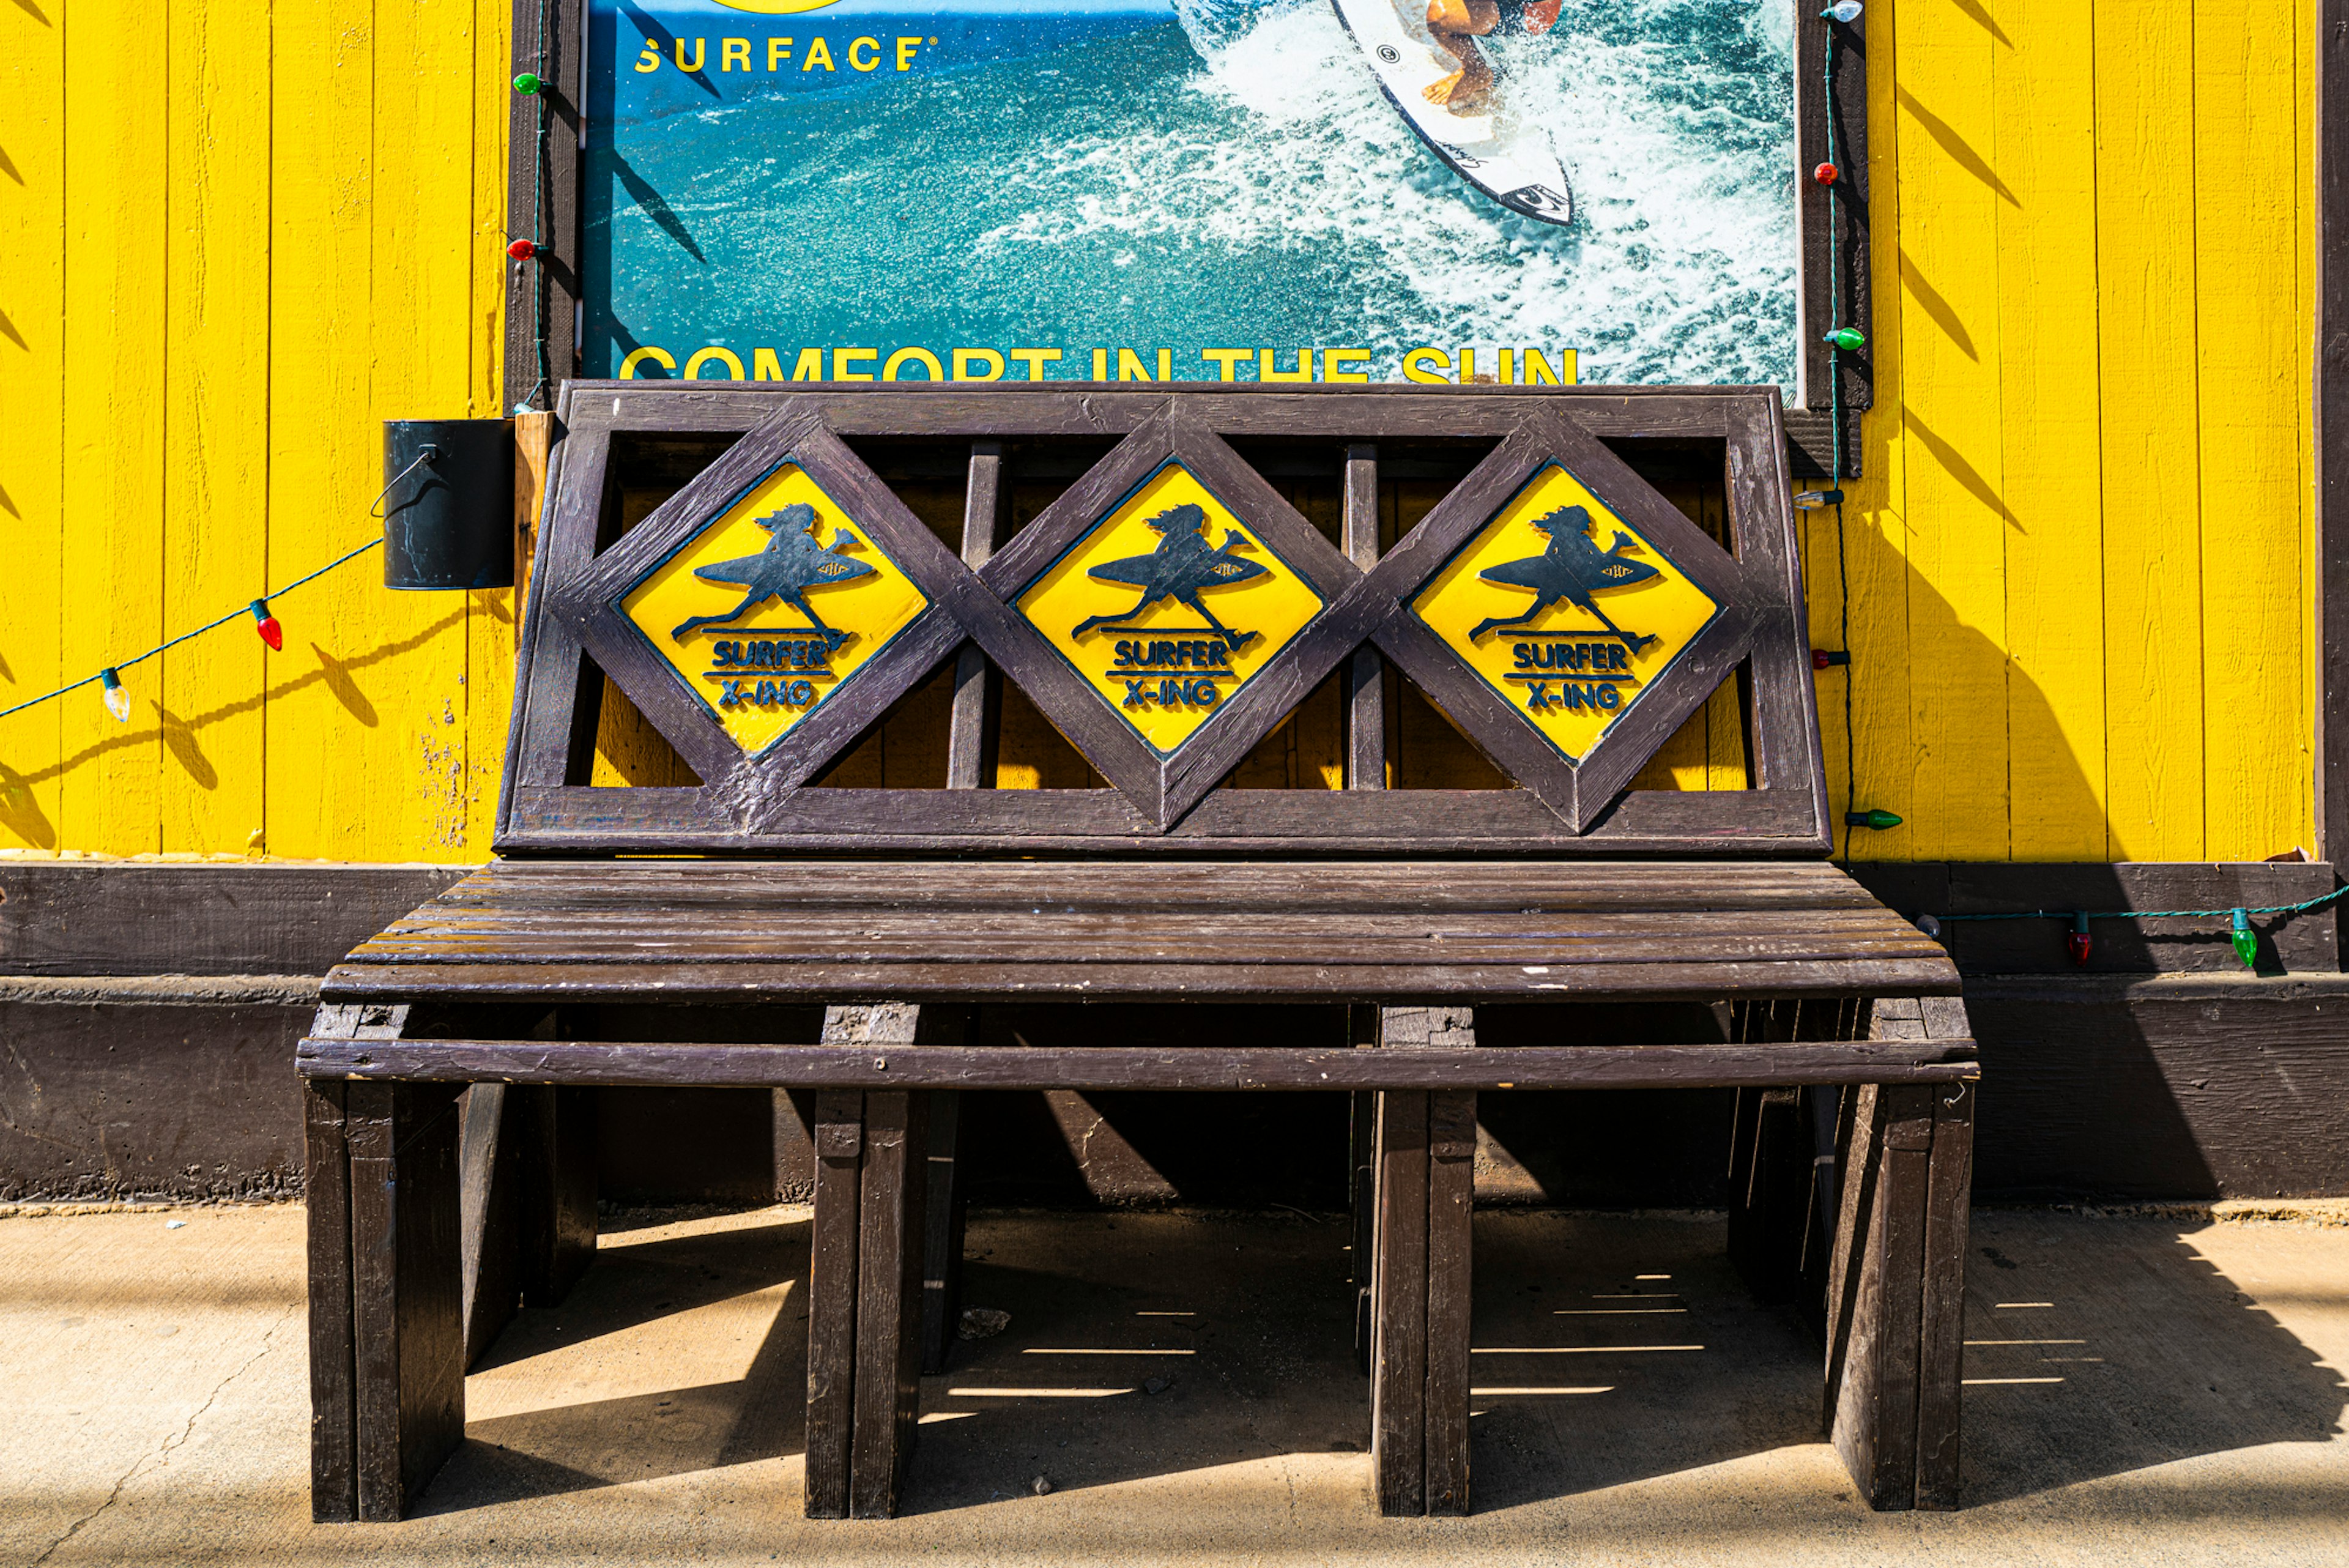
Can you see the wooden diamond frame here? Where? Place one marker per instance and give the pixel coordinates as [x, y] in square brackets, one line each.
[752, 784]
[1162, 786]
[1178, 803]
[1577, 791]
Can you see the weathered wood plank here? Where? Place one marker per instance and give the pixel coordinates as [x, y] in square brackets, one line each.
[327, 1198]
[1943, 1328]
[838, 1066]
[488, 1178]
[889, 1252]
[406, 1309]
[76, 917]
[944, 1215]
[1269, 885]
[972, 731]
[1366, 720]
[1875, 1410]
[1451, 1183]
[1750, 824]
[1399, 1317]
[832, 1302]
[753, 982]
[554, 1131]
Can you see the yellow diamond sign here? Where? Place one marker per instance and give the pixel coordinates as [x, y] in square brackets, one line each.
[1558, 606]
[1168, 605]
[767, 609]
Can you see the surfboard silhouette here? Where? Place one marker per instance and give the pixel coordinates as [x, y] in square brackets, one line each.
[1182, 568]
[791, 564]
[1572, 568]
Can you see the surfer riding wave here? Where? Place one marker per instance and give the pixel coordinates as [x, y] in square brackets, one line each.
[1456, 25]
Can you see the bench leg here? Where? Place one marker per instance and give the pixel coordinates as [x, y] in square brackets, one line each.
[832, 1301]
[1896, 1294]
[865, 1291]
[489, 1251]
[1361, 1202]
[526, 1163]
[334, 1416]
[1425, 1145]
[1361, 1184]
[947, 1211]
[408, 1315]
[555, 1140]
[1783, 1165]
[1398, 1307]
[1770, 1182]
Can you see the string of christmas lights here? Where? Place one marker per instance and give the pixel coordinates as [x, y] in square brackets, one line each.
[265, 626]
[2240, 934]
[1839, 340]
[534, 85]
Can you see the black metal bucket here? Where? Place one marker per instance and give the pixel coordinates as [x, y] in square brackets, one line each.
[448, 504]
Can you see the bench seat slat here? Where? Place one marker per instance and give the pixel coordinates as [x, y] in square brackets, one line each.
[1126, 1067]
[767, 922]
[1013, 953]
[1431, 886]
[1486, 982]
[1351, 931]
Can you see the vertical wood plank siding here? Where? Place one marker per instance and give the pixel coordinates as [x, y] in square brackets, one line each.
[2079, 566]
[211, 292]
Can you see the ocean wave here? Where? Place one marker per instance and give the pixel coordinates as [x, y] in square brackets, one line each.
[1243, 180]
[1680, 265]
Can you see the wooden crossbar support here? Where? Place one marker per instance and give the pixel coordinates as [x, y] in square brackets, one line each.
[842, 1067]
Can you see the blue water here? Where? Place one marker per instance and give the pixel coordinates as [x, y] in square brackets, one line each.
[1226, 175]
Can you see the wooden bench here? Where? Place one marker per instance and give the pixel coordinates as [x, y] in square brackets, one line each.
[899, 912]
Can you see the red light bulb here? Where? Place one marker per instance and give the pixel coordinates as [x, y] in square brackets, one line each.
[523, 250]
[267, 626]
[1827, 174]
[2080, 941]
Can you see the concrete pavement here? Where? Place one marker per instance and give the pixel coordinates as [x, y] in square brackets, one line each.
[2139, 1391]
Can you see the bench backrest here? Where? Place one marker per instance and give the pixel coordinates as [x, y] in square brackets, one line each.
[826, 556]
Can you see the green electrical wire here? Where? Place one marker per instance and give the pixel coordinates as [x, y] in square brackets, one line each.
[1834, 465]
[2304, 907]
[123, 664]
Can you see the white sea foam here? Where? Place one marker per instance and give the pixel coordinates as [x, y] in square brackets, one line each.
[1679, 264]
[1257, 187]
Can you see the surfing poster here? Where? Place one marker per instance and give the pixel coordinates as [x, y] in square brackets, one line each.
[1511, 192]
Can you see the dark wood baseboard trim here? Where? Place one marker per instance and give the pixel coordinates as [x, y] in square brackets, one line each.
[83, 918]
[2298, 944]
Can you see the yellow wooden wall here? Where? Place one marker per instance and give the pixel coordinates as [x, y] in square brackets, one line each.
[234, 235]
[2080, 562]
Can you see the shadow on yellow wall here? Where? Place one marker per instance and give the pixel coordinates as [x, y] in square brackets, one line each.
[182, 737]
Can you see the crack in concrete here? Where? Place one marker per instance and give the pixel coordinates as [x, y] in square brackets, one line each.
[162, 1456]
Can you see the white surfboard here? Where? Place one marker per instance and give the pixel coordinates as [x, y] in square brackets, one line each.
[1511, 162]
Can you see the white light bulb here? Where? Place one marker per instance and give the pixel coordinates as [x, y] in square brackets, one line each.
[1842, 11]
[117, 698]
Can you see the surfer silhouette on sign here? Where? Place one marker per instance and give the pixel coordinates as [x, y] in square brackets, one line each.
[1456, 25]
[1572, 568]
[791, 564]
[1178, 569]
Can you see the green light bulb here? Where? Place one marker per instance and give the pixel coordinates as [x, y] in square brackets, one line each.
[2246, 940]
[1878, 818]
[529, 83]
[1850, 339]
